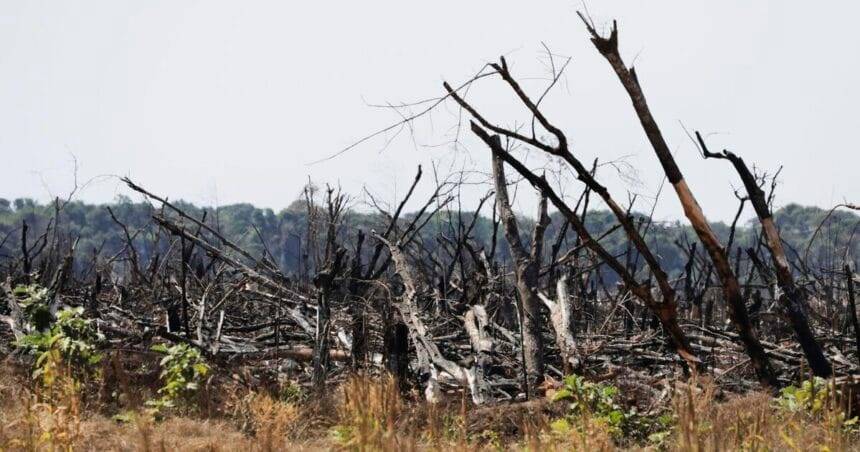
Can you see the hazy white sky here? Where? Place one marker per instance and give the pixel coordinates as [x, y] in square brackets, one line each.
[222, 102]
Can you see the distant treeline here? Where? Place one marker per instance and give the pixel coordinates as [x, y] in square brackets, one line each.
[282, 235]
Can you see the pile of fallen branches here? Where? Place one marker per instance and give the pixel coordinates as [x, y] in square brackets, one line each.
[458, 317]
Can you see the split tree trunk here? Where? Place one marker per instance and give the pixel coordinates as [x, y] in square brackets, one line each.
[527, 269]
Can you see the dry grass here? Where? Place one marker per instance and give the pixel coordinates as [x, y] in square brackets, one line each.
[370, 414]
[752, 422]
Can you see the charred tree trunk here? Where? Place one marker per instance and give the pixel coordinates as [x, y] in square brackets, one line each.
[25, 253]
[325, 284]
[396, 344]
[356, 308]
[527, 269]
[608, 47]
[183, 288]
[665, 312]
[431, 362]
[792, 299]
[852, 306]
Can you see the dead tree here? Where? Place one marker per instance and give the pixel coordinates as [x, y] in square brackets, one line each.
[608, 47]
[325, 282]
[25, 252]
[431, 362]
[364, 284]
[527, 271]
[562, 324]
[561, 149]
[356, 304]
[792, 298]
[668, 304]
[664, 312]
[852, 305]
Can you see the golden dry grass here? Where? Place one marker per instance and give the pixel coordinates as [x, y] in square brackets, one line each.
[752, 422]
[370, 414]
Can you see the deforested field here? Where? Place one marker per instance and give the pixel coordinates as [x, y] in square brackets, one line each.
[441, 320]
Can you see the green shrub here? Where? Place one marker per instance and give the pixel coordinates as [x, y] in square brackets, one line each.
[817, 397]
[593, 399]
[811, 396]
[33, 300]
[598, 403]
[291, 392]
[182, 372]
[72, 341]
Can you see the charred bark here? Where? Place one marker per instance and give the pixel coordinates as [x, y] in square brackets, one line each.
[608, 48]
[792, 299]
[527, 269]
[666, 313]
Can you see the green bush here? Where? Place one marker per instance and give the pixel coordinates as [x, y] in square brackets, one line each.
[72, 341]
[598, 402]
[811, 396]
[182, 372]
[816, 397]
[33, 300]
[593, 399]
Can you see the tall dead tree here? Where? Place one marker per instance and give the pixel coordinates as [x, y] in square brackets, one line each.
[325, 284]
[362, 286]
[852, 305]
[793, 299]
[666, 309]
[608, 48]
[355, 289]
[562, 149]
[527, 271]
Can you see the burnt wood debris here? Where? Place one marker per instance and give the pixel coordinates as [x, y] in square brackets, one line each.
[418, 296]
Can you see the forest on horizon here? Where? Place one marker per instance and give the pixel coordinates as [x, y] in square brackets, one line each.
[278, 234]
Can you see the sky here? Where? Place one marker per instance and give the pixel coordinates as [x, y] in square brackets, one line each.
[218, 102]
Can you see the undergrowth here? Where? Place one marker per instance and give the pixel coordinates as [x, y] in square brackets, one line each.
[183, 371]
[365, 414]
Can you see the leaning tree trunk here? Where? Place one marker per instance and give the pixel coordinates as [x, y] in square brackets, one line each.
[793, 299]
[431, 362]
[608, 47]
[666, 310]
[852, 306]
[666, 313]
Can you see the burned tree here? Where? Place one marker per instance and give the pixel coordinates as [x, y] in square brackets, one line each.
[666, 314]
[527, 268]
[666, 309]
[326, 284]
[608, 47]
[793, 298]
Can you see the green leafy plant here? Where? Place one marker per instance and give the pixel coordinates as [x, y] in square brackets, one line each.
[817, 397]
[72, 341]
[33, 300]
[811, 396]
[291, 392]
[182, 372]
[592, 399]
[598, 403]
